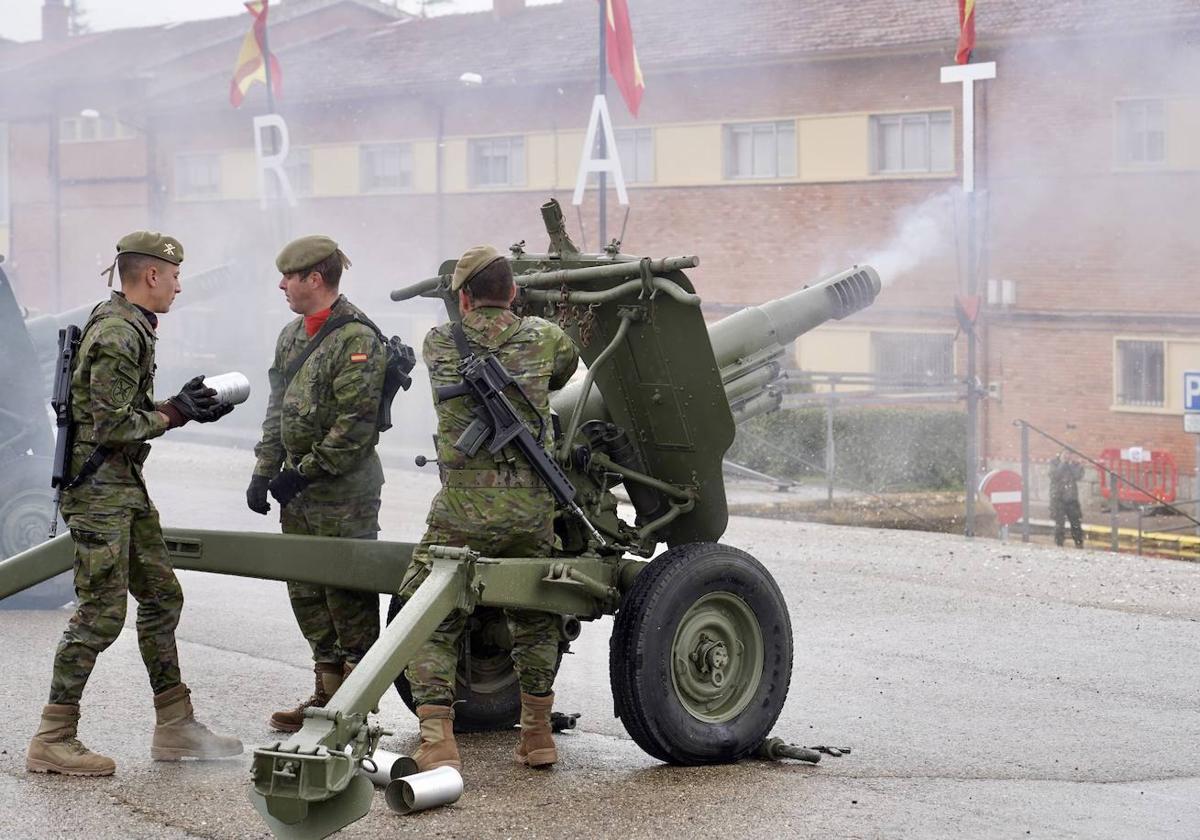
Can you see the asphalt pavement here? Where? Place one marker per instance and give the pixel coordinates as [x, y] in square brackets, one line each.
[987, 690]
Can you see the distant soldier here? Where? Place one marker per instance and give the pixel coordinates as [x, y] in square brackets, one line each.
[119, 548]
[495, 504]
[1065, 475]
[317, 453]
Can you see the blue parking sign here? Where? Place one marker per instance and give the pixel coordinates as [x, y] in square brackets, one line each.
[1191, 390]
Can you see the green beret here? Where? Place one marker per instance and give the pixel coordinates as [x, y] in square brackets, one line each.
[471, 263]
[303, 253]
[152, 244]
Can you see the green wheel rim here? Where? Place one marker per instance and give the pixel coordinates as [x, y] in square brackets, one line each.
[24, 522]
[717, 657]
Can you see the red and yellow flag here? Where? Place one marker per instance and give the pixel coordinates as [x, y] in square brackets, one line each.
[250, 67]
[966, 31]
[622, 55]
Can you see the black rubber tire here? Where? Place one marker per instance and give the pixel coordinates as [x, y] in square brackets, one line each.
[494, 701]
[26, 505]
[640, 654]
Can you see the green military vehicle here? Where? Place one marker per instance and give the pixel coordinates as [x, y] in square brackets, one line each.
[701, 649]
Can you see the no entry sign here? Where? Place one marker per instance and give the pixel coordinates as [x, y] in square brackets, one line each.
[1003, 489]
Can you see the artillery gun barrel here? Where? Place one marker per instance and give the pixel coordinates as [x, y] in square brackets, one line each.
[757, 335]
[780, 322]
[43, 328]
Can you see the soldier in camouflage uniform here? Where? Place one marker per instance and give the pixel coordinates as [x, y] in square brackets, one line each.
[321, 430]
[119, 548]
[495, 504]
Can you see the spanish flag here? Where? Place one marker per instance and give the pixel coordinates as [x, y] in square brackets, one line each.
[622, 56]
[966, 33]
[250, 67]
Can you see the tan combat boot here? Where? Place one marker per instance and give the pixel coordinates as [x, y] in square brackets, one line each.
[55, 749]
[438, 747]
[328, 681]
[179, 735]
[536, 747]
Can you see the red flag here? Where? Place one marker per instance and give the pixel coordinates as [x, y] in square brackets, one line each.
[622, 55]
[250, 67]
[966, 31]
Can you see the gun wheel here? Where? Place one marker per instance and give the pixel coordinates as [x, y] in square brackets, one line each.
[25, 511]
[493, 701]
[701, 655]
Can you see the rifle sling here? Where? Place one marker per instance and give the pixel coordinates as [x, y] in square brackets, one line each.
[328, 328]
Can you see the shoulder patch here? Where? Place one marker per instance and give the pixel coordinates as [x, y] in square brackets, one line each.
[358, 357]
[123, 391]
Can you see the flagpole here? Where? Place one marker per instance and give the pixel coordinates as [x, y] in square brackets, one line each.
[602, 84]
[266, 47]
[284, 217]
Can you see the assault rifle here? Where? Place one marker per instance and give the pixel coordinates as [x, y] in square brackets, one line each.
[60, 401]
[498, 424]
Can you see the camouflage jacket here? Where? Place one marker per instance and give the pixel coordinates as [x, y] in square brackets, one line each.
[323, 422]
[535, 352]
[1064, 480]
[112, 402]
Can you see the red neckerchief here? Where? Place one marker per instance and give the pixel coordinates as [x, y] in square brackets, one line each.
[313, 323]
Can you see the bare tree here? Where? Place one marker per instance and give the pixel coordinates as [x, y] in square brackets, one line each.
[77, 23]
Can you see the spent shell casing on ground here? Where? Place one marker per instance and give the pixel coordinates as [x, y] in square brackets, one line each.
[232, 388]
[389, 766]
[424, 790]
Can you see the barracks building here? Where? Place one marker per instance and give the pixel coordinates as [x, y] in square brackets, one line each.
[779, 140]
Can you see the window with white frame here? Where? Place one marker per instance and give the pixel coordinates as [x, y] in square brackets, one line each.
[3, 173]
[902, 143]
[760, 150]
[913, 358]
[385, 167]
[635, 148]
[198, 175]
[1139, 372]
[497, 162]
[92, 129]
[1141, 132]
[298, 168]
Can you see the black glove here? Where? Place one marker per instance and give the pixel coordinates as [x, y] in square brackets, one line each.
[195, 401]
[211, 415]
[256, 495]
[285, 486]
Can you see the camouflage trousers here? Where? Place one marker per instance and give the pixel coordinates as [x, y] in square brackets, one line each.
[118, 552]
[339, 624]
[1066, 509]
[505, 523]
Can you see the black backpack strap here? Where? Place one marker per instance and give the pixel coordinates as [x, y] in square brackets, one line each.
[327, 329]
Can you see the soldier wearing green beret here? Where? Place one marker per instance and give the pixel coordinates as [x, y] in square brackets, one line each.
[119, 548]
[317, 453]
[495, 504]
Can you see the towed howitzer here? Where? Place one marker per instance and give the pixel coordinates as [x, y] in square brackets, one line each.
[701, 648]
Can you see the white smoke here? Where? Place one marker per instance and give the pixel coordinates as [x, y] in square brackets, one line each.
[924, 231]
